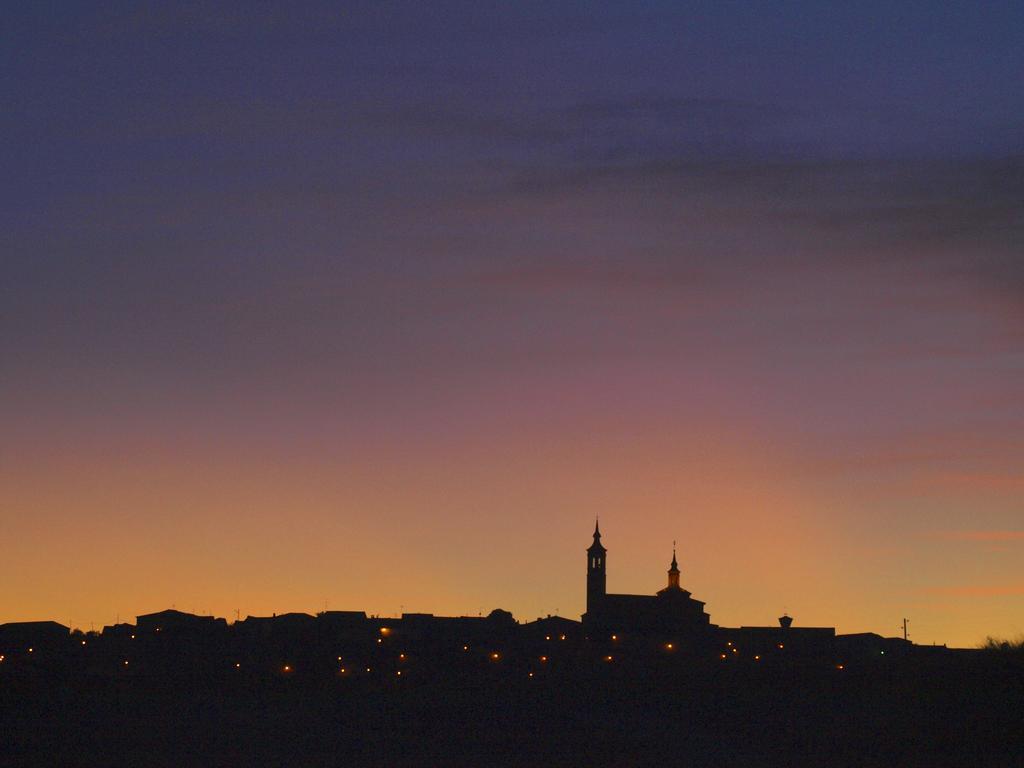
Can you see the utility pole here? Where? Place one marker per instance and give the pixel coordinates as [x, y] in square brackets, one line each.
[905, 622]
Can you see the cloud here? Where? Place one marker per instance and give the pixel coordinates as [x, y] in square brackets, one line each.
[958, 220]
[1006, 590]
[982, 536]
[962, 211]
[976, 481]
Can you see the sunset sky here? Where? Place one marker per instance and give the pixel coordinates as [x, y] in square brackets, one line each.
[377, 305]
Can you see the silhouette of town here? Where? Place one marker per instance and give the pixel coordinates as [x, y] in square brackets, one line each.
[643, 677]
[615, 628]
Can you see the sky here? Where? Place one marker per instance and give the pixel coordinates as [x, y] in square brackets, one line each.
[377, 305]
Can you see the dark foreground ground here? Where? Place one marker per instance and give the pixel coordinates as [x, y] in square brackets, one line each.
[966, 714]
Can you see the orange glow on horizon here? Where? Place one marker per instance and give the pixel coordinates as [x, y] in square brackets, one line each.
[187, 514]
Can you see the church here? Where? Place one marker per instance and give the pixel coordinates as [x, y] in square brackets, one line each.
[671, 611]
[672, 615]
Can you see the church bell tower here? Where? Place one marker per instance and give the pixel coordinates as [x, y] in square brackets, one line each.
[596, 562]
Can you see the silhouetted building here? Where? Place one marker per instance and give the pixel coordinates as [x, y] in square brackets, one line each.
[672, 610]
[284, 621]
[119, 630]
[342, 619]
[596, 572]
[869, 645]
[178, 622]
[32, 634]
[553, 626]
[795, 641]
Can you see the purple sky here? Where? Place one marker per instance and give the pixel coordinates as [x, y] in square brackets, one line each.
[378, 304]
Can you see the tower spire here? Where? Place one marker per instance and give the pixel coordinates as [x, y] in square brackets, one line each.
[673, 571]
